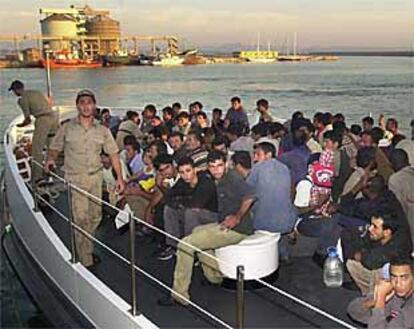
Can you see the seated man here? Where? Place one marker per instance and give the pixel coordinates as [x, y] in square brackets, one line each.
[386, 239]
[270, 178]
[392, 303]
[235, 198]
[190, 203]
[196, 151]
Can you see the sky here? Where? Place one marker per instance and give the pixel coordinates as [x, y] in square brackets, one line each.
[319, 24]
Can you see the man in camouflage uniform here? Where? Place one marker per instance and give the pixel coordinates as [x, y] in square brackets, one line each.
[83, 139]
[34, 103]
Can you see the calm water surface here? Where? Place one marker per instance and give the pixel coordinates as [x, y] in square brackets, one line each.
[355, 86]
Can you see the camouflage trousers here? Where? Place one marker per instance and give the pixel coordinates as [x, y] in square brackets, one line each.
[45, 128]
[87, 213]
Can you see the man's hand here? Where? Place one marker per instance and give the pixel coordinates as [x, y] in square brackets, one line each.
[383, 293]
[230, 222]
[49, 165]
[120, 186]
[358, 256]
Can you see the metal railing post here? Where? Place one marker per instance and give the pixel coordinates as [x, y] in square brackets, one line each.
[133, 271]
[240, 297]
[74, 258]
[35, 200]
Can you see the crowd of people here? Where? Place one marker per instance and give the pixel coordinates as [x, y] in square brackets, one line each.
[213, 181]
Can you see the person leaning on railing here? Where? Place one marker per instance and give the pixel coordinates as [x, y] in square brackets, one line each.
[83, 139]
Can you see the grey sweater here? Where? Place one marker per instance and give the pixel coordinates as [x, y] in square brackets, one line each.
[398, 313]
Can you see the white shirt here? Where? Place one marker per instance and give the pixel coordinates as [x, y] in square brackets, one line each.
[303, 192]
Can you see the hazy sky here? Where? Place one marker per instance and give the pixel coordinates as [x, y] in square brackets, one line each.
[318, 23]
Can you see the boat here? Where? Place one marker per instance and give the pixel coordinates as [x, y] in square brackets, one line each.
[122, 291]
[168, 59]
[259, 56]
[67, 60]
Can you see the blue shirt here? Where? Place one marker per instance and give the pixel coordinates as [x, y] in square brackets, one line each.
[273, 210]
[297, 162]
[136, 164]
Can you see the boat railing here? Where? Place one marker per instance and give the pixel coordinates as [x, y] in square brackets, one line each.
[135, 268]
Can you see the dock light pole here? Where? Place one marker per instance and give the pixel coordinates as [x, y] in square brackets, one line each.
[132, 256]
[240, 298]
[74, 258]
[48, 79]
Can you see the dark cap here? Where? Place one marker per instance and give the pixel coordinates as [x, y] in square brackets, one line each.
[85, 92]
[16, 84]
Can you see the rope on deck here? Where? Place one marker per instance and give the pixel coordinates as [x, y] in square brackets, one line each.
[273, 288]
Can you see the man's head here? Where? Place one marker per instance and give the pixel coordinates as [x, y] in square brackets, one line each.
[196, 107]
[262, 105]
[193, 141]
[187, 170]
[133, 116]
[183, 119]
[356, 130]
[305, 126]
[176, 140]
[167, 113]
[399, 159]
[221, 143]
[264, 151]
[366, 139]
[377, 134]
[164, 164]
[375, 188]
[202, 119]
[338, 117]
[236, 103]
[131, 146]
[234, 132]
[176, 107]
[332, 140]
[402, 276]
[383, 226]
[260, 130]
[149, 112]
[217, 113]
[86, 103]
[17, 87]
[366, 157]
[242, 162]
[367, 123]
[216, 164]
[392, 125]
[276, 130]
[157, 147]
[156, 121]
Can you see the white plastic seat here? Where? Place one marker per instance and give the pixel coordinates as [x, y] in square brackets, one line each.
[258, 253]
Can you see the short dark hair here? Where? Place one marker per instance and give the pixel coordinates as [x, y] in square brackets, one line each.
[403, 260]
[339, 126]
[365, 156]
[339, 117]
[399, 159]
[388, 216]
[185, 161]
[263, 102]
[326, 118]
[176, 104]
[260, 129]
[242, 158]
[183, 115]
[275, 127]
[132, 115]
[317, 116]
[202, 114]
[220, 140]
[377, 134]
[159, 145]
[297, 115]
[197, 135]
[105, 110]
[176, 134]
[393, 121]
[169, 110]
[356, 129]
[235, 129]
[313, 157]
[161, 159]
[198, 104]
[216, 155]
[217, 110]
[16, 84]
[151, 108]
[266, 148]
[334, 136]
[235, 99]
[368, 120]
[377, 185]
[159, 131]
[132, 141]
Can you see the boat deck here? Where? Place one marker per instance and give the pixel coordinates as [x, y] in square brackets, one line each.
[263, 308]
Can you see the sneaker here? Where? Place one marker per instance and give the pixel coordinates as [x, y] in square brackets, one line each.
[166, 254]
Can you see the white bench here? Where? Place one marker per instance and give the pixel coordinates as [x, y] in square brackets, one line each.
[258, 253]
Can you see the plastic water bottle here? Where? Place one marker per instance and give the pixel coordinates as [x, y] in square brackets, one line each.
[332, 269]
